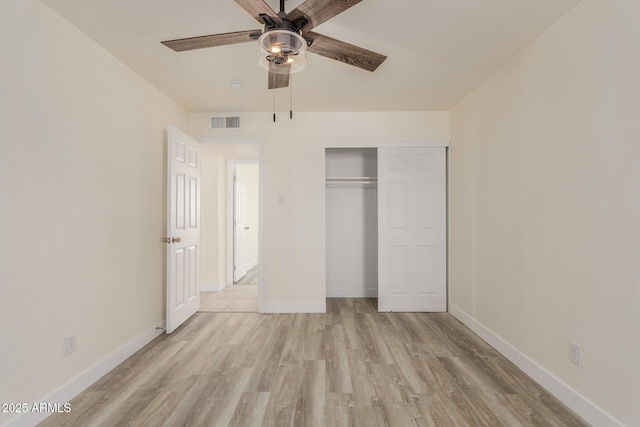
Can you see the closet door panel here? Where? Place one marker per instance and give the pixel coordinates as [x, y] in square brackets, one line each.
[397, 213]
[412, 209]
[426, 265]
[426, 204]
[398, 263]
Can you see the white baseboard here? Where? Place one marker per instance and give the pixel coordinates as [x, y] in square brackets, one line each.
[294, 308]
[351, 293]
[80, 383]
[574, 400]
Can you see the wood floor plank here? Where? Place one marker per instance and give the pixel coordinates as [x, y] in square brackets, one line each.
[161, 408]
[250, 410]
[389, 385]
[350, 367]
[428, 340]
[332, 316]
[314, 337]
[433, 412]
[212, 399]
[314, 391]
[340, 410]
[505, 413]
[256, 340]
[468, 402]
[337, 362]
[268, 359]
[285, 399]
[442, 381]
[370, 415]
[404, 328]
[246, 325]
[412, 372]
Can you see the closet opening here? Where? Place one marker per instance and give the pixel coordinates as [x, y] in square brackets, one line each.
[351, 176]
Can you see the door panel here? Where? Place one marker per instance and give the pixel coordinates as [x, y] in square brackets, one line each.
[180, 199]
[426, 270]
[193, 271]
[193, 200]
[398, 269]
[183, 228]
[412, 229]
[397, 206]
[177, 289]
[426, 203]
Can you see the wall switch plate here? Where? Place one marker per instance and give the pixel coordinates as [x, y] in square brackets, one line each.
[70, 344]
[575, 354]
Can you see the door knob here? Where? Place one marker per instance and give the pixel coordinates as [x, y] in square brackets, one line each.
[176, 240]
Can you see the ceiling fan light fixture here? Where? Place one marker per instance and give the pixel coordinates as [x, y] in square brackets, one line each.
[281, 46]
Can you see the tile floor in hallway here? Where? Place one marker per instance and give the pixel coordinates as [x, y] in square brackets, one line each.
[234, 298]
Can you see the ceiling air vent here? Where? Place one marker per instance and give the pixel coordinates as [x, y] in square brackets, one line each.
[225, 122]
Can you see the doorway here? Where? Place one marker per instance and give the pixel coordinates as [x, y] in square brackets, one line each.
[222, 290]
[245, 227]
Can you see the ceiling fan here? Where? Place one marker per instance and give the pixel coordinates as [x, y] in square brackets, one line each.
[286, 37]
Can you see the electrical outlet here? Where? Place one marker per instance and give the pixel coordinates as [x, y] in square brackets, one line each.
[575, 354]
[70, 344]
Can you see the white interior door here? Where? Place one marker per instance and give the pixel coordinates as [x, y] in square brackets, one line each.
[183, 228]
[241, 259]
[412, 229]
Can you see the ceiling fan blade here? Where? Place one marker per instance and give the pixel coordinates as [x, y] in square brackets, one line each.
[191, 43]
[344, 52]
[278, 79]
[257, 7]
[319, 11]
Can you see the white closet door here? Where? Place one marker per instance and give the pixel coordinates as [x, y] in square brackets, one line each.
[412, 229]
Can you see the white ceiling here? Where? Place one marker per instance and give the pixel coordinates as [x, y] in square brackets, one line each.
[438, 50]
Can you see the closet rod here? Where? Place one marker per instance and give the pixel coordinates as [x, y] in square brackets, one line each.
[352, 179]
[370, 181]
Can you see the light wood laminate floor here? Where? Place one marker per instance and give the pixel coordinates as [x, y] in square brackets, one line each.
[351, 366]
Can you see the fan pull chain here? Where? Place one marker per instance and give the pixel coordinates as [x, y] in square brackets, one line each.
[274, 105]
[290, 97]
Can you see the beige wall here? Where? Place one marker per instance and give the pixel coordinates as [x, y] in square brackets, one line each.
[293, 169]
[545, 203]
[212, 222]
[82, 141]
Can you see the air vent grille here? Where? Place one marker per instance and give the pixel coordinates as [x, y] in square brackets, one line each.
[225, 122]
[233, 122]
